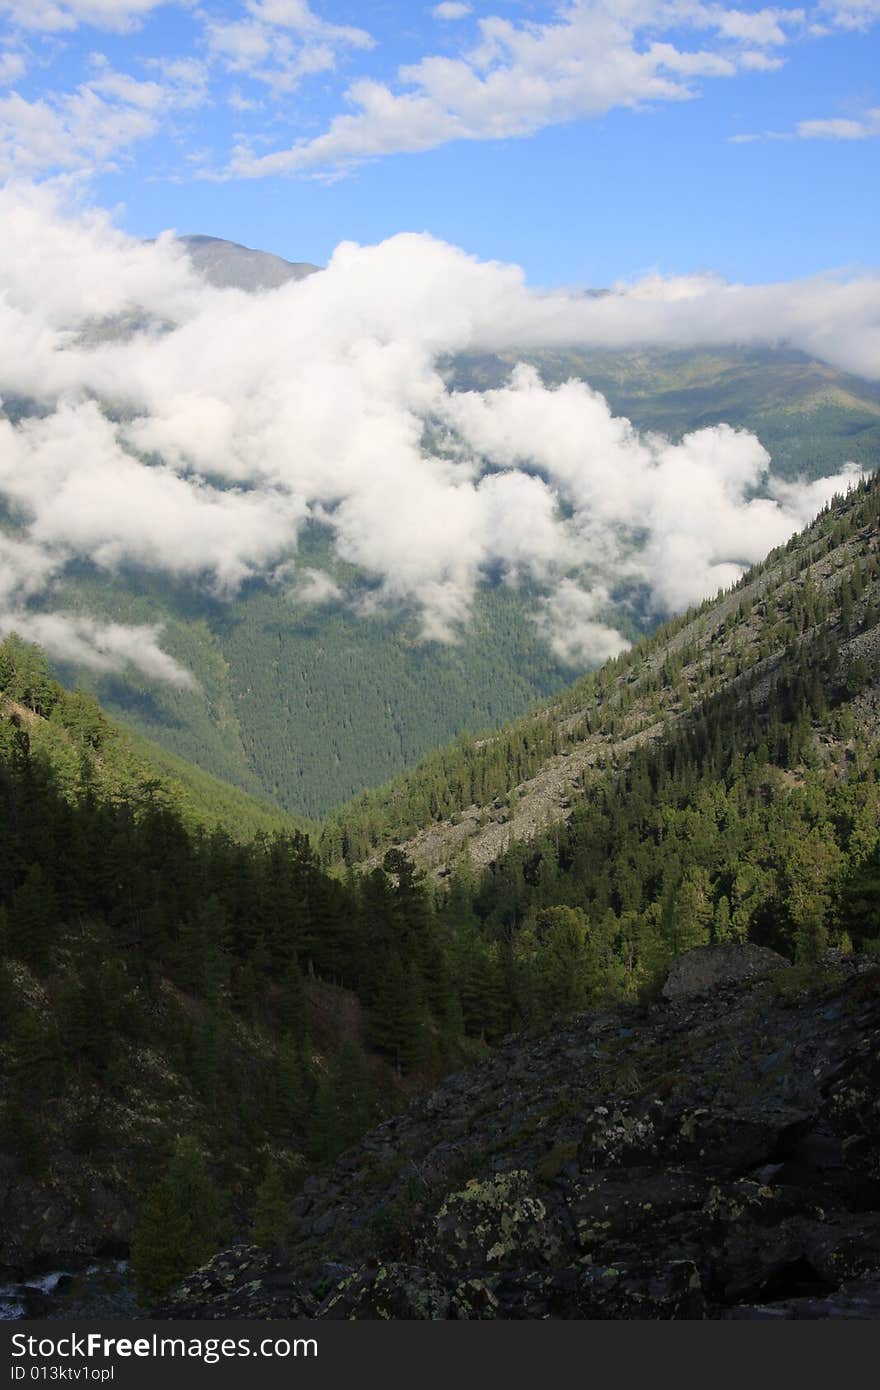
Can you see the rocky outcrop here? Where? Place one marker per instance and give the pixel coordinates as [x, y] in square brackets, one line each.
[704, 967]
[714, 1155]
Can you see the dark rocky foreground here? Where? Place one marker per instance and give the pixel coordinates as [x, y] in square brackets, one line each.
[712, 1155]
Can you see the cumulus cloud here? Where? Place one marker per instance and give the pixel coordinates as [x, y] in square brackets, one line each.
[13, 65]
[451, 9]
[279, 42]
[182, 428]
[86, 129]
[592, 56]
[568, 618]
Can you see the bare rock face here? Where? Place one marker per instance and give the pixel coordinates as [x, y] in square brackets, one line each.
[707, 966]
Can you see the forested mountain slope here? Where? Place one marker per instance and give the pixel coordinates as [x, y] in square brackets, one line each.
[478, 797]
[308, 703]
[305, 692]
[182, 1014]
[710, 1151]
[85, 750]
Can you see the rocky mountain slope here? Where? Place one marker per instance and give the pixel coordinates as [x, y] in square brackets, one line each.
[713, 1154]
[227, 265]
[534, 772]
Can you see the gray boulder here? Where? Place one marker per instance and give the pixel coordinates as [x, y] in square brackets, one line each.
[704, 967]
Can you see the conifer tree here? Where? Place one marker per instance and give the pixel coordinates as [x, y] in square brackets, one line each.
[32, 919]
[180, 1225]
[271, 1221]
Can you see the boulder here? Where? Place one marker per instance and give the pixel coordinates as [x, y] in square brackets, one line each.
[705, 967]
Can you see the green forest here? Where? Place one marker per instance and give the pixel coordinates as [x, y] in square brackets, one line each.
[306, 704]
[165, 987]
[803, 591]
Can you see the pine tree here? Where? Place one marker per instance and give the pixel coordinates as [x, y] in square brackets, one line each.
[292, 1009]
[324, 1141]
[271, 1221]
[32, 920]
[353, 1091]
[180, 1225]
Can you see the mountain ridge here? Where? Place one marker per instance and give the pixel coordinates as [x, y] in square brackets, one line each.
[305, 694]
[229, 265]
[574, 752]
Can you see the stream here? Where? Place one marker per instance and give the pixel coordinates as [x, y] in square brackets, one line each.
[97, 1288]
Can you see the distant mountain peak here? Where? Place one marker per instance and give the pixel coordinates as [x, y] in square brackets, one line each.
[228, 265]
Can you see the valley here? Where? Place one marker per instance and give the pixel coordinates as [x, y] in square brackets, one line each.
[722, 781]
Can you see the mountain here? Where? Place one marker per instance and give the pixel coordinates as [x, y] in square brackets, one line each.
[474, 799]
[82, 748]
[305, 692]
[809, 416]
[192, 1031]
[306, 703]
[704, 1149]
[227, 265]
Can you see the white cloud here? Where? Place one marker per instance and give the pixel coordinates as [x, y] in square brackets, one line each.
[54, 15]
[593, 56]
[451, 9]
[86, 129]
[227, 421]
[849, 14]
[77, 131]
[28, 569]
[568, 619]
[279, 42]
[184, 85]
[311, 588]
[12, 66]
[839, 128]
[830, 128]
[763, 28]
[102, 646]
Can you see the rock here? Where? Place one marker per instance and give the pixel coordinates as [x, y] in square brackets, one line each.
[243, 1282]
[704, 967]
[389, 1291]
[489, 1225]
[716, 1156]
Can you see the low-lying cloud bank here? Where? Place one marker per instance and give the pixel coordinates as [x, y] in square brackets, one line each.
[195, 431]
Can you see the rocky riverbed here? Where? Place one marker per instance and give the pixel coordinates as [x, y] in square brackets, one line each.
[78, 1288]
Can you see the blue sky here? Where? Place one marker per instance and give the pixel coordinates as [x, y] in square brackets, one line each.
[586, 141]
